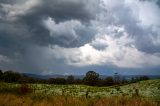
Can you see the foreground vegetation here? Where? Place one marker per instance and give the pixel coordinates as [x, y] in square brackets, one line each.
[149, 89]
[143, 93]
[18, 90]
[41, 100]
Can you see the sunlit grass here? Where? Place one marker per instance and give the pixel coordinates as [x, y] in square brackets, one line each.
[42, 100]
[149, 89]
[144, 93]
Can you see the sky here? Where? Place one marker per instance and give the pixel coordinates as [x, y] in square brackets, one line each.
[75, 36]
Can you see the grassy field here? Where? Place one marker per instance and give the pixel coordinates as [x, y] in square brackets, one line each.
[42, 100]
[144, 93]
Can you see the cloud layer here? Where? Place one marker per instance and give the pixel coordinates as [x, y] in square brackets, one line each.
[59, 36]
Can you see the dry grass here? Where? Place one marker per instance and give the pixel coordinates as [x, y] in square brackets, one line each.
[40, 100]
[125, 101]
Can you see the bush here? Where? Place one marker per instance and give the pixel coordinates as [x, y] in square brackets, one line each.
[24, 89]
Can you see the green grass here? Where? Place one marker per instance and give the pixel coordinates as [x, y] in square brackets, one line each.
[147, 89]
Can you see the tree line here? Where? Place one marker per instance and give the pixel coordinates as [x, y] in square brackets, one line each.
[91, 78]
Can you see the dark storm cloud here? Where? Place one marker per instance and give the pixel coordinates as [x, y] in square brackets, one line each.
[71, 9]
[28, 27]
[21, 27]
[11, 1]
[25, 40]
[59, 10]
[11, 37]
[158, 3]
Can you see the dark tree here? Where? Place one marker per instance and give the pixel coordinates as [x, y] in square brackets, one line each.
[91, 78]
[25, 79]
[70, 79]
[144, 78]
[42, 81]
[78, 81]
[109, 81]
[51, 81]
[10, 76]
[59, 81]
[1, 74]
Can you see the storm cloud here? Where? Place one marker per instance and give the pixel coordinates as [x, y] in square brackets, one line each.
[62, 36]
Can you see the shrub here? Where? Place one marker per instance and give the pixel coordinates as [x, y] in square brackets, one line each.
[24, 89]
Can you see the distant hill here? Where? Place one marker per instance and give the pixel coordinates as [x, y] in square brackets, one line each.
[51, 76]
[44, 76]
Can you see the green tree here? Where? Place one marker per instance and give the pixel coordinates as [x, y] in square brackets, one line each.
[143, 78]
[109, 81]
[70, 79]
[1, 73]
[51, 80]
[25, 79]
[10, 76]
[78, 81]
[91, 78]
[59, 81]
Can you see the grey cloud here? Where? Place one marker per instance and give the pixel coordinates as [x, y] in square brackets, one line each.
[71, 32]
[124, 15]
[25, 40]
[71, 9]
[11, 1]
[158, 3]
[99, 46]
[58, 9]
[22, 30]
[28, 26]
